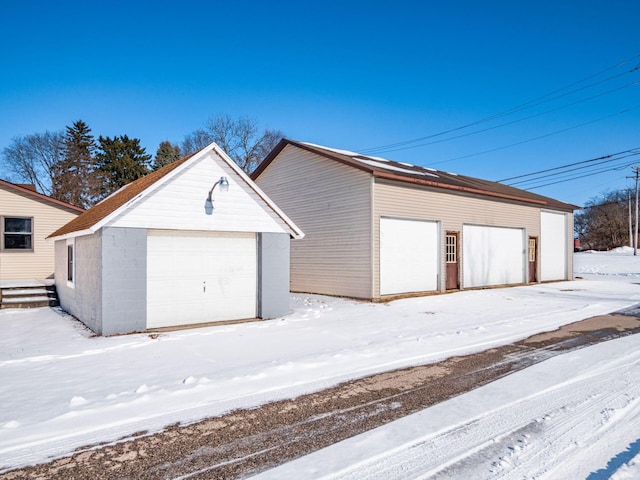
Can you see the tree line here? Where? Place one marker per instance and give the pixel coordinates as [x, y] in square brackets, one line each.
[603, 223]
[73, 166]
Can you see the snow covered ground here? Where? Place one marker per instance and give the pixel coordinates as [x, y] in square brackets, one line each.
[61, 388]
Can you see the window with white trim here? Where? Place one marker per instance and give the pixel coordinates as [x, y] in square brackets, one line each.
[17, 234]
[71, 262]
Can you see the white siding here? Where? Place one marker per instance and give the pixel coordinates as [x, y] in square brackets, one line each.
[180, 204]
[47, 218]
[331, 203]
[553, 246]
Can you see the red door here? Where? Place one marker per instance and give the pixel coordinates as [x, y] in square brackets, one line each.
[533, 257]
[451, 244]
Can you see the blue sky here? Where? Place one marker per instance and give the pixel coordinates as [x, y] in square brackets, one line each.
[350, 75]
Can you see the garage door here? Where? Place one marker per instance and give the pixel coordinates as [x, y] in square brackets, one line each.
[553, 246]
[492, 256]
[408, 256]
[198, 277]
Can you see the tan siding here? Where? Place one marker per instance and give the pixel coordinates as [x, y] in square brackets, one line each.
[452, 210]
[39, 263]
[331, 204]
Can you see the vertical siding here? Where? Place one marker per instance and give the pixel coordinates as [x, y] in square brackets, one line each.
[401, 200]
[331, 203]
[39, 263]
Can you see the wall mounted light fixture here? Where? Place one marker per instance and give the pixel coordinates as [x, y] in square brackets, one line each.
[224, 187]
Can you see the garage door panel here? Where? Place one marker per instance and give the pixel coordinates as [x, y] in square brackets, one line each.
[197, 277]
[553, 246]
[408, 256]
[492, 256]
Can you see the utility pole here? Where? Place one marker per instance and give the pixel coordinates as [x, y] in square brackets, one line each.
[636, 170]
[630, 223]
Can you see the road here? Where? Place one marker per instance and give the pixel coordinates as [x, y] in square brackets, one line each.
[246, 442]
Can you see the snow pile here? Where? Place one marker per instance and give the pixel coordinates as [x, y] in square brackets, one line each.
[63, 388]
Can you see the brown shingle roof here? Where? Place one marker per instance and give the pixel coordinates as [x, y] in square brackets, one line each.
[389, 169]
[29, 190]
[110, 204]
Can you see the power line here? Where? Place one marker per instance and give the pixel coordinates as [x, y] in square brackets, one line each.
[536, 138]
[632, 84]
[534, 102]
[590, 174]
[600, 160]
[538, 178]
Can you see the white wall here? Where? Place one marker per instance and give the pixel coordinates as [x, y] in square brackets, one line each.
[180, 204]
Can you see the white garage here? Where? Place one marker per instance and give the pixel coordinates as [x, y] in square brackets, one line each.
[194, 242]
[553, 247]
[408, 256]
[198, 277]
[493, 256]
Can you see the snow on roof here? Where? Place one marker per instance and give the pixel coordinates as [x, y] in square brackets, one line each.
[378, 162]
[336, 150]
[375, 163]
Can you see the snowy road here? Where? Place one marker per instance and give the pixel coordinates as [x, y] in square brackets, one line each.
[573, 416]
[61, 389]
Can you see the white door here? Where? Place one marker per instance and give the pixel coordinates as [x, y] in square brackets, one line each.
[553, 246]
[408, 256]
[199, 277]
[492, 256]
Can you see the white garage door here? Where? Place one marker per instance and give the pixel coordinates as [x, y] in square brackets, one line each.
[553, 246]
[198, 277]
[492, 256]
[408, 256]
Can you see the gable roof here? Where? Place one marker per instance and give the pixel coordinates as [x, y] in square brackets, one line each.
[94, 218]
[29, 190]
[405, 172]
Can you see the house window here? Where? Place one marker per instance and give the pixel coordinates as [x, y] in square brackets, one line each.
[17, 233]
[70, 263]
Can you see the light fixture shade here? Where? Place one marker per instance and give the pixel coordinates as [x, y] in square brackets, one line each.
[224, 184]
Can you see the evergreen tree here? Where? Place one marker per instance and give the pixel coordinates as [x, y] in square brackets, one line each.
[166, 154]
[73, 180]
[119, 160]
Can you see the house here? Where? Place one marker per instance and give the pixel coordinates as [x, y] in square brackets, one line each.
[26, 219]
[174, 248]
[376, 228]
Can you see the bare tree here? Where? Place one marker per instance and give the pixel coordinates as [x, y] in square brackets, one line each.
[241, 139]
[603, 223]
[32, 159]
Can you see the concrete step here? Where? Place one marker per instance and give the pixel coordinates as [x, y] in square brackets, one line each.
[28, 296]
[25, 292]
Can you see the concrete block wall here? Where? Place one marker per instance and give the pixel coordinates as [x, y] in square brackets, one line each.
[273, 274]
[124, 280]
